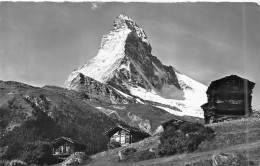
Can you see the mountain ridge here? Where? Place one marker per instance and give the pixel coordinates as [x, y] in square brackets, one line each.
[125, 62]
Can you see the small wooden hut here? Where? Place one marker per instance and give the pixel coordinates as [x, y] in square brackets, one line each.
[227, 97]
[125, 134]
[66, 146]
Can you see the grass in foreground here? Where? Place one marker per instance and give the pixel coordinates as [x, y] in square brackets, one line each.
[240, 136]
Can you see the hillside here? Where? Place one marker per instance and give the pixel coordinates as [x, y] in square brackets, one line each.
[235, 136]
[143, 116]
[30, 114]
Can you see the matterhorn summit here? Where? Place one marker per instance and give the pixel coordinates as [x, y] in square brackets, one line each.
[125, 71]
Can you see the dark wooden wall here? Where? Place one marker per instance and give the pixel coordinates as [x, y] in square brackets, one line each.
[230, 97]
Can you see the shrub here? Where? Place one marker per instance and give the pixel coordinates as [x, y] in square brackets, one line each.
[38, 153]
[207, 132]
[113, 145]
[189, 127]
[187, 139]
[128, 151]
[77, 158]
[193, 141]
[172, 143]
[4, 162]
[14, 150]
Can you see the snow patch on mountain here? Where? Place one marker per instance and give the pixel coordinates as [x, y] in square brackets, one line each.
[125, 95]
[108, 59]
[194, 92]
[187, 106]
[178, 113]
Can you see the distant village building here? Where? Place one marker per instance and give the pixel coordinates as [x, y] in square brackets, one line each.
[66, 146]
[228, 98]
[125, 134]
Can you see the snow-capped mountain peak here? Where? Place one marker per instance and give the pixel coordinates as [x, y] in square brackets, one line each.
[123, 21]
[125, 62]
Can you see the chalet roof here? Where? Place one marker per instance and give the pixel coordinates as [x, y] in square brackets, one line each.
[227, 78]
[127, 128]
[173, 122]
[64, 138]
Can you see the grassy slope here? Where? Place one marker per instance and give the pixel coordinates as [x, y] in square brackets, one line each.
[234, 136]
[109, 158]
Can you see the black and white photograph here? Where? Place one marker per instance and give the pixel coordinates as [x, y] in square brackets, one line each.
[113, 83]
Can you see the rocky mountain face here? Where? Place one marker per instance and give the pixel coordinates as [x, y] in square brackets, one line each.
[125, 71]
[95, 90]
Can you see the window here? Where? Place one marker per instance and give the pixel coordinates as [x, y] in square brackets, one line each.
[127, 138]
[122, 138]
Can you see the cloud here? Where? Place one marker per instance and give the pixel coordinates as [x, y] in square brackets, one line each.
[95, 5]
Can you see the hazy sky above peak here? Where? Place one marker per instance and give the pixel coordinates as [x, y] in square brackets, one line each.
[41, 43]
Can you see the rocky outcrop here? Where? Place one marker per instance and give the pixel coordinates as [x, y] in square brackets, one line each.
[17, 163]
[125, 153]
[95, 90]
[231, 159]
[77, 158]
[143, 124]
[223, 159]
[41, 102]
[255, 113]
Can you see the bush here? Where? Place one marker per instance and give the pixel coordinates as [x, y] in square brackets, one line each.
[173, 143]
[128, 151]
[4, 162]
[14, 150]
[113, 145]
[207, 133]
[187, 139]
[189, 127]
[38, 153]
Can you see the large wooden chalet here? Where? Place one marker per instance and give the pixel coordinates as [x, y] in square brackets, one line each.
[227, 97]
[125, 134]
[66, 146]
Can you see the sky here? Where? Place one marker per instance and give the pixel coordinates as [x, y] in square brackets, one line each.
[42, 43]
